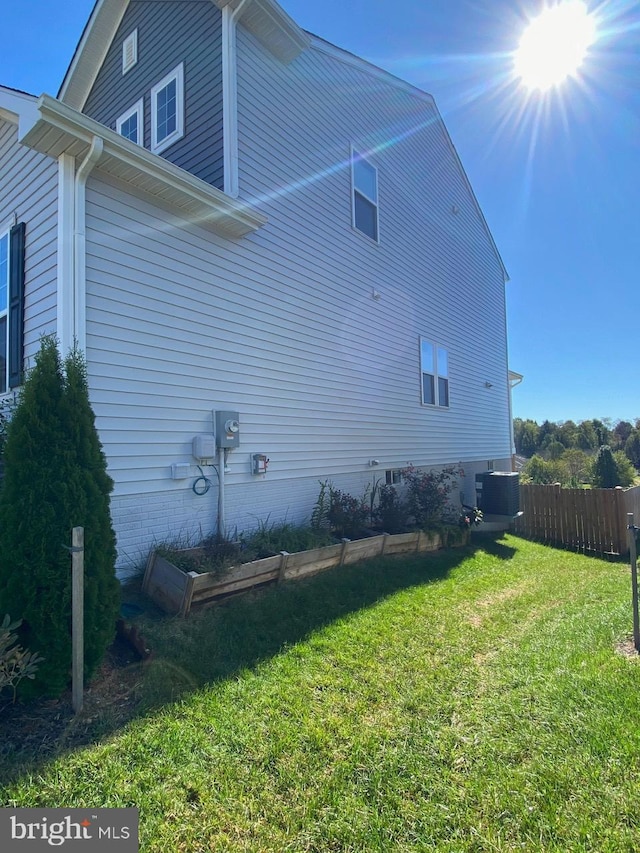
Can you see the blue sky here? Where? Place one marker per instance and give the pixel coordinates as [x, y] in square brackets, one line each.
[558, 178]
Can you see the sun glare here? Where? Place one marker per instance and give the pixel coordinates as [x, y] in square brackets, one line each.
[554, 45]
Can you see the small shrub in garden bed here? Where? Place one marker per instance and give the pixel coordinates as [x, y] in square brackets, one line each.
[340, 513]
[211, 555]
[428, 493]
[390, 513]
[271, 539]
[15, 662]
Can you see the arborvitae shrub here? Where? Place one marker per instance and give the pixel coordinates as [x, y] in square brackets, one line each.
[55, 479]
[605, 470]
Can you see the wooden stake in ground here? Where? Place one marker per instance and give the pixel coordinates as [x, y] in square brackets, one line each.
[634, 580]
[77, 617]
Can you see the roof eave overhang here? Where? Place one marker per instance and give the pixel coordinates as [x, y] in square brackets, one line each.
[59, 129]
[91, 51]
[271, 25]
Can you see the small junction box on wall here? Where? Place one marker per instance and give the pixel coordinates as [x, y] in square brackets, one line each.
[204, 448]
[259, 463]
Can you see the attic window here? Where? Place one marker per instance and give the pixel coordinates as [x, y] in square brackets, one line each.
[130, 51]
[167, 110]
[130, 124]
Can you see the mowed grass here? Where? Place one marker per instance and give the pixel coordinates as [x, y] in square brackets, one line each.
[469, 701]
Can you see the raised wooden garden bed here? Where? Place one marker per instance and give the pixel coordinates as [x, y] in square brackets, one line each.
[177, 591]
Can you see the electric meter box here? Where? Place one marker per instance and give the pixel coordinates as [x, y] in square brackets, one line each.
[204, 447]
[227, 426]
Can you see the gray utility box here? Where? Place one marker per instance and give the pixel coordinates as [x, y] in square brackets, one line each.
[498, 493]
[227, 425]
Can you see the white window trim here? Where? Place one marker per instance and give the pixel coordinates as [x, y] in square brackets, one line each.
[436, 375]
[138, 109]
[355, 154]
[178, 133]
[132, 39]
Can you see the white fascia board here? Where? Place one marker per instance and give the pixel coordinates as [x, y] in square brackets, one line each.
[91, 51]
[60, 129]
[367, 67]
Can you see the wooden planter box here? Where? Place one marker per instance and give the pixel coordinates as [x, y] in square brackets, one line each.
[176, 591]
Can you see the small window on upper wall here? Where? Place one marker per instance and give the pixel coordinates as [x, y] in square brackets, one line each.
[167, 110]
[131, 124]
[130, 51]
[364, 182]
[434, 368]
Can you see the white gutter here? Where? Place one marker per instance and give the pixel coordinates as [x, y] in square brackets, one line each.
[79, 243]
[59, 129]
[230, 98]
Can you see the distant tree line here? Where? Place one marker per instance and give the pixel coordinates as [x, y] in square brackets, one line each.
[595, 452]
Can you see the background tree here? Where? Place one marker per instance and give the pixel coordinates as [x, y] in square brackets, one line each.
[632, 447]
[621, 432]
[544, 472]
[626, 471]
[605, 470]
[578, 467]
[587, 438]
[55, 479]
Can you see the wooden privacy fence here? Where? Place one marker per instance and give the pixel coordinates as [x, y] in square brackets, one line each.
[592, 520]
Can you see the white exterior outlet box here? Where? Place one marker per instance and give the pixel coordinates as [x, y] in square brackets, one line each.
[204, 447]
[180, 470]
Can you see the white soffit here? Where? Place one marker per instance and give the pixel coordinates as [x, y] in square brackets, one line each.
[271, 25]
[59, 129]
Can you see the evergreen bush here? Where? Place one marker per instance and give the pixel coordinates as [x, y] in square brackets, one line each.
[55, 479]
[605, 470]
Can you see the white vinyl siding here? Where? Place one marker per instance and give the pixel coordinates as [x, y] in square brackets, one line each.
[28, 192]
[304, 328]
[167, 110]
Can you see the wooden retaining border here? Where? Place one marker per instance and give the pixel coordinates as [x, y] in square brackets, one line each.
[177, 591]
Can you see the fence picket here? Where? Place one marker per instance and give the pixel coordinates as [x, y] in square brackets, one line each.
[590, 520]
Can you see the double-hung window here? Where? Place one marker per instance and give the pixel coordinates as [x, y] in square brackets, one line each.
[131, 124]
[434, 369]
[364, 182]
[167, 110]
[11, 305]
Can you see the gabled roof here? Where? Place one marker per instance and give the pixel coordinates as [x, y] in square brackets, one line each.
[268, 22]
[364, 65]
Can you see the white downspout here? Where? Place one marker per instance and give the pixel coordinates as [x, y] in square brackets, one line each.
[79, 244]
[222, 453]
[230, 98]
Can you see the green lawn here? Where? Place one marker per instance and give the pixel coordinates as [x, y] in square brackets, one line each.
[468, 701]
